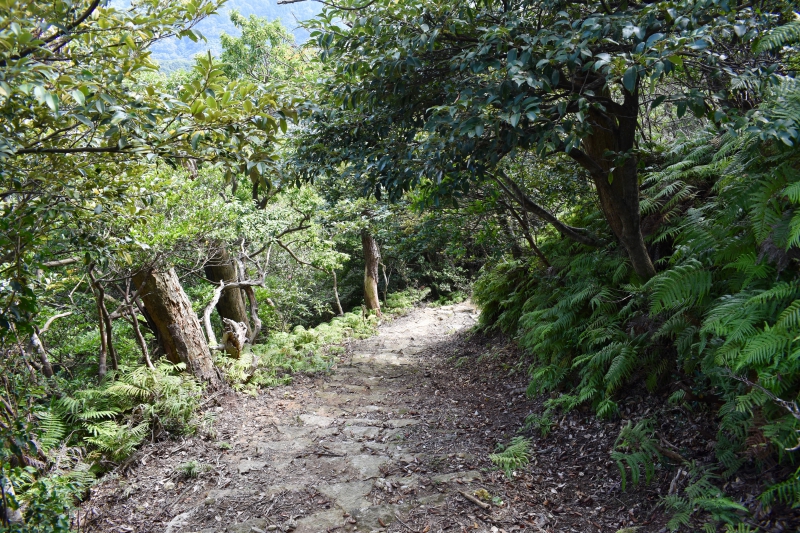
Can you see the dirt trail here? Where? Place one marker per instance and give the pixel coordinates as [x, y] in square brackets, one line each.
[350, 451]
[396, 438]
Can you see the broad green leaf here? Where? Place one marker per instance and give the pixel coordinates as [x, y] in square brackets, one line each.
[78, 96]
[629, 78]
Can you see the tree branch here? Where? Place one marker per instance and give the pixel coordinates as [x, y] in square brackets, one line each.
[62, 262]
[78, 150]
[329, 4]
[514, 191]
[51, 320]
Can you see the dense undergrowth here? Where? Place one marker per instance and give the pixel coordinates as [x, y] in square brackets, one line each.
[85, 431]
[717, 327]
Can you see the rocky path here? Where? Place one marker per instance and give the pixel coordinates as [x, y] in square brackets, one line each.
[352, 451]
[395, 439]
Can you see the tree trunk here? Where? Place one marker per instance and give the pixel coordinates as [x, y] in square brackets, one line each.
[251, 298]
[151, 325]
[231, 305]
[106, 329]
[102, 357]
[139, 337]
[176, 322]
[372, 258]
[36, 344]
[385, 284]
[336, 293]
[10, 516]
[613, 167]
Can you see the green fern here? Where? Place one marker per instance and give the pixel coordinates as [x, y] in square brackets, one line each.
[683, 285]
[53, 430]
[702, 498]
[543, 422]
[785, 35]
[787, 492]
[192, 469]
[641, 452]
[515, 456]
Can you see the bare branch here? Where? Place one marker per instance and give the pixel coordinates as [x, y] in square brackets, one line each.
[515, 192]
[62, 262]
[51, 320]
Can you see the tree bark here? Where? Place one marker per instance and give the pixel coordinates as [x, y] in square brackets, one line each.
[102, 358]
[336, 293]
[251, 299]
[36, 344]
[372, 258]
[385, 284]
[139, 337]
[151, 325]
[221, 267]
[177, 324]
[10, 516]
[609, 158]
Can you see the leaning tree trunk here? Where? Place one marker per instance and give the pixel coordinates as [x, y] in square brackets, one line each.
[372, 258]
[36, 344]
[231, 305]
[617, 182]
[177, 324]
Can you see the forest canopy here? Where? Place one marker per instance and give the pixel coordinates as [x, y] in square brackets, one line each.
[615, 184]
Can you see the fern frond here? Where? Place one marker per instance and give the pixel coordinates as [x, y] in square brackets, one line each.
[763, 348]
[787, 491]
[514, 456]
[642, 452]
[684, 284]
[785, 35]
[53, 429]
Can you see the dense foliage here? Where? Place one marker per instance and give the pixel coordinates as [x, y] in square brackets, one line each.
[717, 324]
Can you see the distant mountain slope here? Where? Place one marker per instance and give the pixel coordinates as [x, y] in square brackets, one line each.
[175, 54]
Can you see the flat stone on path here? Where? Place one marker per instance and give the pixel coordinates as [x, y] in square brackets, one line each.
[401, 422]
[471, 475]
[318, 522]
[368, 466]
[282, 446]
[362, 422]
[362, 432]
[349, 496]
[246, 466]
[316, 420]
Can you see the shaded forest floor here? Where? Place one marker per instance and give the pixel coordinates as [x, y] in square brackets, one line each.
[392, 440]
